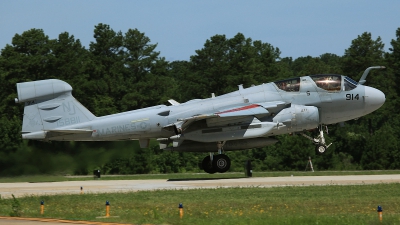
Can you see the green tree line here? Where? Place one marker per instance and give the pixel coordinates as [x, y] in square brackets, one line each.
[123, 71]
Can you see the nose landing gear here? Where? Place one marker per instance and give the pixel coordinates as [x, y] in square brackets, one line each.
[319, 141]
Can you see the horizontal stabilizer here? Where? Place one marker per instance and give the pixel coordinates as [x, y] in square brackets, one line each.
[58, 134]
[72, 131]
[47, 89]
[69, 134]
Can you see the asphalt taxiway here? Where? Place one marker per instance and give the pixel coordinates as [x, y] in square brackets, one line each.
[107, 186]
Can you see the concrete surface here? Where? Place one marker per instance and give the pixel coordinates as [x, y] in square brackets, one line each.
[102, 186]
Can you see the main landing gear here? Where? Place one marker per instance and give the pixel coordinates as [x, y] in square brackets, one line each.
[219, 163]
[320, 144]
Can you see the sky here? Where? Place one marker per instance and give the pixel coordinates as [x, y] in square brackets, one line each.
[297, 28]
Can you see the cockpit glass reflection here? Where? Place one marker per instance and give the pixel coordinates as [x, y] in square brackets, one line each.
[328, 82]
[289, 85]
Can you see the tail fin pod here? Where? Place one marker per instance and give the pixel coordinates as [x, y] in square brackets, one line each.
[49, 104]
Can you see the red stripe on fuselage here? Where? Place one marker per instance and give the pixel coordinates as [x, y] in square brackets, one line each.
[240, 109]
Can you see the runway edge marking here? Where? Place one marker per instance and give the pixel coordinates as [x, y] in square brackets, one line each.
[61, 221]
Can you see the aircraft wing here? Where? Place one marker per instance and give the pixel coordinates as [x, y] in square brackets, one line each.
[242, 110]
[182, 124]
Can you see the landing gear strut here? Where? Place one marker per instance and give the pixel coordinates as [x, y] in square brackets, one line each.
[208, 165]
[319, 141]
[216, 163]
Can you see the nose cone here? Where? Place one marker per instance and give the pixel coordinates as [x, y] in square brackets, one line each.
[374, 99]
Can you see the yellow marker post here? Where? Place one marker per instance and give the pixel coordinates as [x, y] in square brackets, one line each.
[81, 190]
[380, 213]
[181, 210]
[107, 212]
[107, 209]
[41, 207]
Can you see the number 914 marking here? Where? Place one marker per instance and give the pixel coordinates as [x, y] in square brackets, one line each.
[352, 97]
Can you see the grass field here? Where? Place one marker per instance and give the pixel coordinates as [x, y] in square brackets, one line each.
[332, 204]
[177, 176]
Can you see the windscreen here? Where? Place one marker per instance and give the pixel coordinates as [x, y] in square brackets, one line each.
[328, 82]
[349, 84]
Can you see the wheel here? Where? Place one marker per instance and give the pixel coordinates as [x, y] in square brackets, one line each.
[221, 163]
[320, 148]
[207, 165]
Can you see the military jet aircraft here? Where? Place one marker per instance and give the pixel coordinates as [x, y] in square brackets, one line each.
[246, 118]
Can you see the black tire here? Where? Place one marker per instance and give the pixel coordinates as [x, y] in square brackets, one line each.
[320, 149]
[221, 163]
[207, 165]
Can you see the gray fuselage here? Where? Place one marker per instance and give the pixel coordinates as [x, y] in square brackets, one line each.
[334, 106]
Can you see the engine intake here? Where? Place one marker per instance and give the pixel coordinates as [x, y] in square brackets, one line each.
[299, 117]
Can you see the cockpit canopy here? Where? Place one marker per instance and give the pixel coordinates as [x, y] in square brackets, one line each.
[290, 85]
[328, 82]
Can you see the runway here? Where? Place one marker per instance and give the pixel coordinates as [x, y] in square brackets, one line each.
[107, 186]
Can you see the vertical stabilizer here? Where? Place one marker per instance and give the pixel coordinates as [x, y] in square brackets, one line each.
[49, 105]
